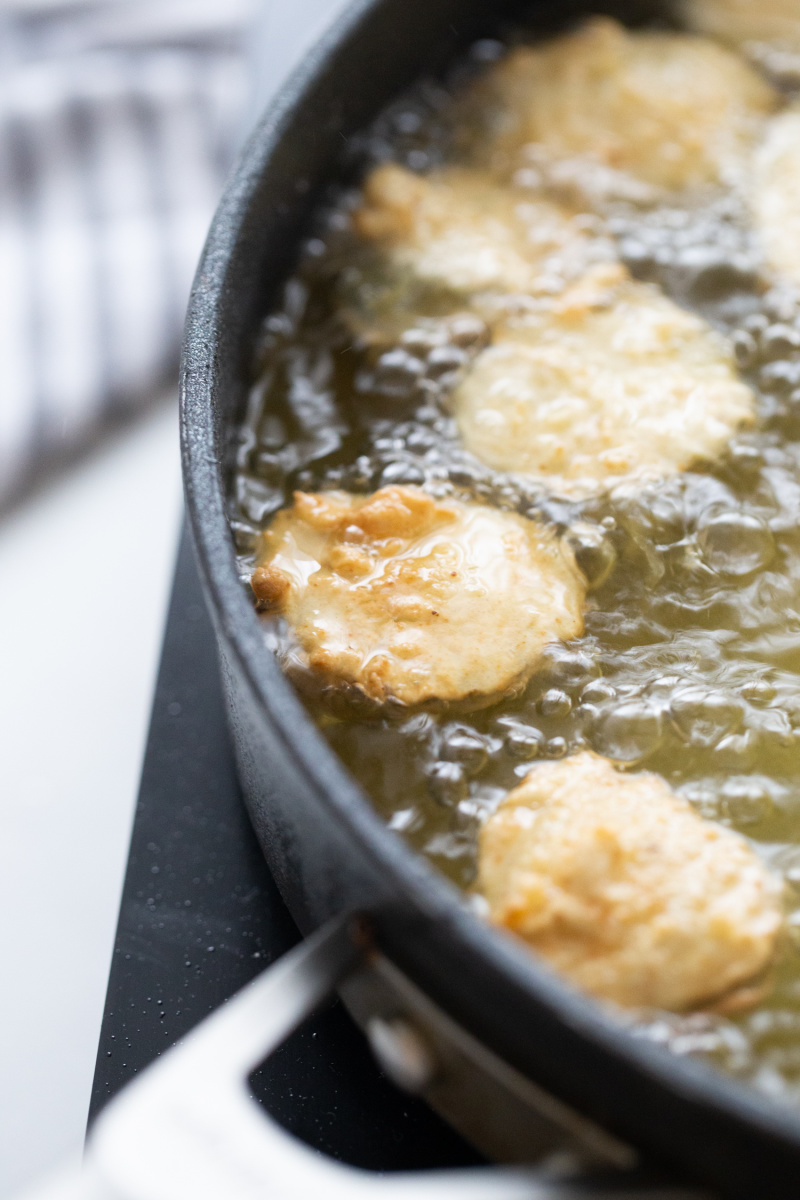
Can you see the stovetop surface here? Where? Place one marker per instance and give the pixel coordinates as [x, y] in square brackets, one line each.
[200, 916]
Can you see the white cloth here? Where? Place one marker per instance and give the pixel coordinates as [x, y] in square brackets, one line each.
[117, 122]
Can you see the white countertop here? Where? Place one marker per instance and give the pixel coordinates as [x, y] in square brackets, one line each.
[85, 571]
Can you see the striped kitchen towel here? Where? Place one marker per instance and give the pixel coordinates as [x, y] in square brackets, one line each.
[117, 123]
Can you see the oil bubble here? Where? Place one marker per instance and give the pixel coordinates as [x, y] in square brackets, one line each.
[462, 745]
[703, 718]
[629, 733]
[747, 460]
[555, 703]
[402, 472]
[705, 800]
[779, 340]
[756, 323]
[396, 372]
[418, 342]
[735, 543]
[597, 692]
[745, 348]
[447, 783]
[555, 747]
[758, 691]
[444, 360]
[524, 743]
[736, 751]
[594, 553]
[779, 376]
[771, 1026]
[748, 799]
[566, 668]
[467, 330]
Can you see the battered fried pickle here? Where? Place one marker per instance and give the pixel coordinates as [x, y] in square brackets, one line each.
[455, 232]
[410, 598]
[674, 110]
[614, 382]
[776, 193]
[621, 887]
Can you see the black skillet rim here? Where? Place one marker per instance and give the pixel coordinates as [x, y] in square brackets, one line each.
[706, 1093]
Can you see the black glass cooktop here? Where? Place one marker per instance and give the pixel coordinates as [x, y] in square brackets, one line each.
[200, 916]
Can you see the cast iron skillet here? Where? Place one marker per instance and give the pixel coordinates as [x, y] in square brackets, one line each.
[328, 850]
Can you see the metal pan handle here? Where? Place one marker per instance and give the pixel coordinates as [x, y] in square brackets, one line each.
[187, 1128]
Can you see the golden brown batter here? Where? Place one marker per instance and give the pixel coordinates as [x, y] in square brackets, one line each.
[456, 230]
[387, 592]
[622, 888]
[613, 382]
[776, 193]
[674, 110]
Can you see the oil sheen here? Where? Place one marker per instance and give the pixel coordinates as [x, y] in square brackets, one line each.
[689, 665]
